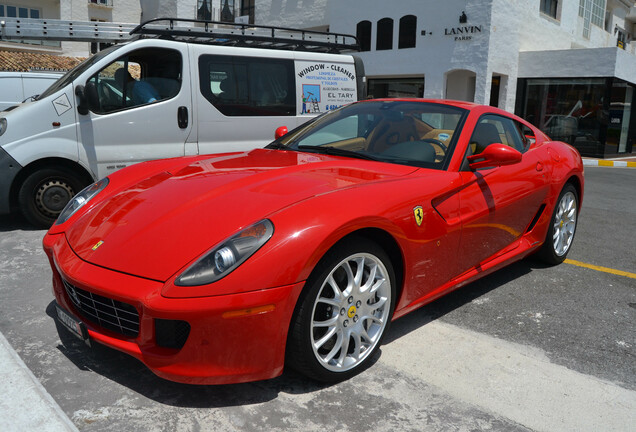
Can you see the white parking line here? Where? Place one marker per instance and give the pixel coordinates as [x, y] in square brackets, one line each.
[512, 380]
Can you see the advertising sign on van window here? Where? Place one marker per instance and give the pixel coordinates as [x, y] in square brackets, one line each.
[324, 86]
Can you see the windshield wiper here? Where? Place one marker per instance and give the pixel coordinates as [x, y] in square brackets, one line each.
[277, 146]
[334, 151]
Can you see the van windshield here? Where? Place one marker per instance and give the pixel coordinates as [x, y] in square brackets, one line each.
[76, 71]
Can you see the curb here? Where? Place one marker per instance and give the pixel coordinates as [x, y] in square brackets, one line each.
[609, 163]
[25, 405]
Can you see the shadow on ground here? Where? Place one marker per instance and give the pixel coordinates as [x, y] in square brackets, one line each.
[15, 221]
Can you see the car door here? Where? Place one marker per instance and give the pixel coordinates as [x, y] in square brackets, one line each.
[142, 109]
[498, 204]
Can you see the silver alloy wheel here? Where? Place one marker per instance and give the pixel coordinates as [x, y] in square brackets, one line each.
[564, 224]
[351, 312]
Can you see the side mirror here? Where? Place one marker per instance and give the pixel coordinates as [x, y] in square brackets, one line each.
[92, 97]
[82, 105]
[280, 131]
[495, 155]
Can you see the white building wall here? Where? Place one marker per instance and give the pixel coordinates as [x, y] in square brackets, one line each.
[124, 11]
[168, 8]
[306, 14]
[436, 53]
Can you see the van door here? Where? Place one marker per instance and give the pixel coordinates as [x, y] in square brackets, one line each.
[242, 99]
[140, 108]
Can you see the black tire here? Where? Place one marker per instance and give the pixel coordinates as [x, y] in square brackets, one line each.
[44, 193]
[565, 215]
[350, 314]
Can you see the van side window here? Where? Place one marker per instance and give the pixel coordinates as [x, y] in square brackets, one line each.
[140, 77]
[248, 86]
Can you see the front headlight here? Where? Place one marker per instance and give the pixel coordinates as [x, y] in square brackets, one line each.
[79, 200]
[3, 125]
[224, 258]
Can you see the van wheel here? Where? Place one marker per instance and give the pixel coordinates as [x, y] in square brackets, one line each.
[44, 194]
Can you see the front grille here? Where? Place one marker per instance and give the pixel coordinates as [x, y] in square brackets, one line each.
[110, 314]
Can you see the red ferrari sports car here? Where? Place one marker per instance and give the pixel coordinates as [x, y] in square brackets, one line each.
[224, 268]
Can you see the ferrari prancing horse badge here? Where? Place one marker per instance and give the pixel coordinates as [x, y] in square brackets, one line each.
[419, 215]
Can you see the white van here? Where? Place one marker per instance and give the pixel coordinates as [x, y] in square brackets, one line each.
[15, 87]
[167, 93]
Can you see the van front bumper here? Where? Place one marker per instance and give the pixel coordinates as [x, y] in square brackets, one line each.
[9, 169]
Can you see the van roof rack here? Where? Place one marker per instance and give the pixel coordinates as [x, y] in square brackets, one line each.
[247, 35]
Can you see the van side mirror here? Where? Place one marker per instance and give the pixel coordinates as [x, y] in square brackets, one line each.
[82, 105]
[495, 155]
[91, 96]
[280, 131]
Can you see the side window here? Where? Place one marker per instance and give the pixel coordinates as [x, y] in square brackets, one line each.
[138, 78]
[248, 86]
[527, 135]
[496, 129]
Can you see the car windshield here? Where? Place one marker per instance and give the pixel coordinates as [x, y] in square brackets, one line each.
[404, 132]
[70, 76]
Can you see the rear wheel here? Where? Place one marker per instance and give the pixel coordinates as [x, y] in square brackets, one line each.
[562, 227]
[45, 192]
[344, 312]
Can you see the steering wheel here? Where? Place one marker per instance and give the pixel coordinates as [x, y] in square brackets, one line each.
[436, 142]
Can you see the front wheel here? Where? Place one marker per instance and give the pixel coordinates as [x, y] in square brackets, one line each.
[562, 227]
[343, 313]
[45, 192]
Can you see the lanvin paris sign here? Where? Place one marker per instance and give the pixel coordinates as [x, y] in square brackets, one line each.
[462, 33]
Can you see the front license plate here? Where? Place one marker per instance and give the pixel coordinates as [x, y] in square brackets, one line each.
[75, 326]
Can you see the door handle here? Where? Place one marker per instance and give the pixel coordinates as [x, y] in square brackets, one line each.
[182, 117]
[539, 166]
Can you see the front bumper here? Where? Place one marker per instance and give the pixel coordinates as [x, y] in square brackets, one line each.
[232, 338]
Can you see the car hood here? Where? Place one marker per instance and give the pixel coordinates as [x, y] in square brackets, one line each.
[154, 226]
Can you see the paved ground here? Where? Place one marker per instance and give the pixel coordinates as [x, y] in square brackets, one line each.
[527, 348]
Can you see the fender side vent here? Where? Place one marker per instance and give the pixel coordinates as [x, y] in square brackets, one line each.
[536, 218]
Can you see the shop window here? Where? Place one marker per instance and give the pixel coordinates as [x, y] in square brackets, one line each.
[385, 34]
[243, 86]
[408, 29]
[363, 33]
[141, 77]
[569, 110]
[550, 8]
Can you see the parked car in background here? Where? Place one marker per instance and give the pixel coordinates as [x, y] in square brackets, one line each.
[18, 87]
[224, 268]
